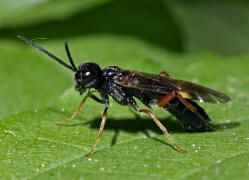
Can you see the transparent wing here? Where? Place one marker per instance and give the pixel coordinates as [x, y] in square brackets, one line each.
[164, 85]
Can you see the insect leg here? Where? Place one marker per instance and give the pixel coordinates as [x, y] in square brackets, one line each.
[104, 116]
[190, 107]
[95, 98]
[160, 125]
[81, 107]
[165, 99]
[163, 74]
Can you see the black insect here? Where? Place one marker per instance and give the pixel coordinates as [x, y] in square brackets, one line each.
[154, 91]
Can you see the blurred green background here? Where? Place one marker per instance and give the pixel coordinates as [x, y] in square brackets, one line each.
[206, 42]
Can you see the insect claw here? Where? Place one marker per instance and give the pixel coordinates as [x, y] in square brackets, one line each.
[181, 150]
[69, 119]
[88, 154]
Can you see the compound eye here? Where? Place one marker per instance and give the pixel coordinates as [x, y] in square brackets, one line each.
[78, 76]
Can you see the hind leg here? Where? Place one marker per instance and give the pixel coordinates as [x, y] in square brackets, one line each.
[198, 111]
[189, 106]
[133, 104]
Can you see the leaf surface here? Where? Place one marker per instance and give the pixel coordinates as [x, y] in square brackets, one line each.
[158, 36]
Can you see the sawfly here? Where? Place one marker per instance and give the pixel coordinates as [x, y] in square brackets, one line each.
[153, 90]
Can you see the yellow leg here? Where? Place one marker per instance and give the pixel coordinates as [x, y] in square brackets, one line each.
[160, 125]
[75, 113]
[104, 116]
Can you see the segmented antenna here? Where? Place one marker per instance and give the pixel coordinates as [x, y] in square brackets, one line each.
[73, 68]
[69, 55]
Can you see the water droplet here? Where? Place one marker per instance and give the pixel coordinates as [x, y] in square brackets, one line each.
[10, 132]
[218, 161]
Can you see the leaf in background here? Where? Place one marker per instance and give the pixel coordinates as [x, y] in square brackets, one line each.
[179, 26]
[149, 22]
[32, 12]
[14, 7]
[220, 26]
[33, 147]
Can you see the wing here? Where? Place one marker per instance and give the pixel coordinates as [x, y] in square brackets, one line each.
[164, 85]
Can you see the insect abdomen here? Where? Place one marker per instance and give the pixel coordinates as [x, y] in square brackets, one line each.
[190, 120]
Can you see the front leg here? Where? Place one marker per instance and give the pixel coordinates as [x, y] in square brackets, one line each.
[133, 104]
[81, 107]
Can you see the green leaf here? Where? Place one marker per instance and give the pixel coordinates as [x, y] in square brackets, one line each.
[148, 36]
[25, 78]
[132, 147]
[32, 12]
[220, 26]
[180, 26]
[232, 168]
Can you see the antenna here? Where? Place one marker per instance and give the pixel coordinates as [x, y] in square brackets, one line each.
[69, 55]
[49, 54]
